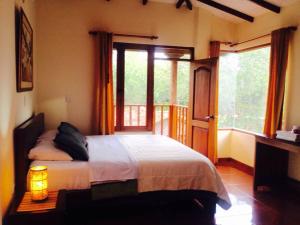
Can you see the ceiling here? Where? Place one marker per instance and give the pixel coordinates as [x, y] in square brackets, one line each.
[244, 6]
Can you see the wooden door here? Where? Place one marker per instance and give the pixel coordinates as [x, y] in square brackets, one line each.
[134, 116]
[202, 124]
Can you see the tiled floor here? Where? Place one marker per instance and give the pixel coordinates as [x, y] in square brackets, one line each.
[248, 208]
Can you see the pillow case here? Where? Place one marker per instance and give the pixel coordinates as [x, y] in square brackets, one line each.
[45, 150]
[70, 129]
[67, 126]
[48, 135]
[72, 145]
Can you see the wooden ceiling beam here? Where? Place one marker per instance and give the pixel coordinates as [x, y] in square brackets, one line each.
[187, 2]
[227, 9]
[267, 5]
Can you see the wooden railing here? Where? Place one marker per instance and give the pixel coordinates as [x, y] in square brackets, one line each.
[136, 115]
[175, 118]
[169, 120]
[178, 123]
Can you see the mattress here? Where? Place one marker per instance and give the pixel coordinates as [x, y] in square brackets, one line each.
[69, 175]
[157, 162]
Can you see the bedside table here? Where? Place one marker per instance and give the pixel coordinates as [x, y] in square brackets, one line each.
[48, 212]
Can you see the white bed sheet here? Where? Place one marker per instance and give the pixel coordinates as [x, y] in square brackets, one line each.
[109, 160]
[69, 175]
[165, 164]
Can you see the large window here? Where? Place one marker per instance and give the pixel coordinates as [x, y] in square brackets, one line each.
[243, 88]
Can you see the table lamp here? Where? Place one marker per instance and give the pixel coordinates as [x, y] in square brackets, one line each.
[38, 183]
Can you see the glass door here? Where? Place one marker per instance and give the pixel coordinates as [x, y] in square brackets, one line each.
[135, 89]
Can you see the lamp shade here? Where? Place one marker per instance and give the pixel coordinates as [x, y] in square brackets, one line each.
[38, 183]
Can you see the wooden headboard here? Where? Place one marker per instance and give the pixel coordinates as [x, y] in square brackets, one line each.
[25, 137]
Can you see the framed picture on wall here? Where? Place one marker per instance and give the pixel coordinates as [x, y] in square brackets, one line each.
[24, 53]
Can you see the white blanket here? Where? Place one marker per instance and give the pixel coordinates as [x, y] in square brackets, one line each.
[109, 160]
[165, 164]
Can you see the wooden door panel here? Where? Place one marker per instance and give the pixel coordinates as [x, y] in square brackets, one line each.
[201, 94]
[202, 130]
[200, 140]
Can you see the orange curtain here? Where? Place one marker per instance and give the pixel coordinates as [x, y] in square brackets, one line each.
[214, 50]
[103, 120]
[278, 63]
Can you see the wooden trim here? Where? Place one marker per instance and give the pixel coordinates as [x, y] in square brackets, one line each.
[134, 128]
[247, 49]
[173, 59]
[227, 9]
[267, 5]
[236, 164]
[148, 46]
[198, 123]
[152, 37]
[150, 89]
[120, 88]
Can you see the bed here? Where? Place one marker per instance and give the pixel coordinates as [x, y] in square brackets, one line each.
[133, 169]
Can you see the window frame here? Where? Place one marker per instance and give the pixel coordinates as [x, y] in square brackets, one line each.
[224, 52]
[121, 47]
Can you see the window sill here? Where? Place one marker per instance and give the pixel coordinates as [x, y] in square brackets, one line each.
[242, 131]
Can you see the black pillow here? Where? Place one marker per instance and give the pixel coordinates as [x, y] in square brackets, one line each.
[71, 145]
[68, 128]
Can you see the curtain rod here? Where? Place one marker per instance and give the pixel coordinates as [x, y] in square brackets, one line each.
[128, 35]
[265, 35]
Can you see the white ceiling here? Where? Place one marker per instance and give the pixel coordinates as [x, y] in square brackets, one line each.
[244, 6]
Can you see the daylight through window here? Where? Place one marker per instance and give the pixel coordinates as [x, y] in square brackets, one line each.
[243, 87]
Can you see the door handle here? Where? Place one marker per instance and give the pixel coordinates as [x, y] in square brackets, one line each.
[211, 117]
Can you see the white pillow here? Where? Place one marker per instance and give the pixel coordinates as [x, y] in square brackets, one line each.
[45, 150]
[48, 135]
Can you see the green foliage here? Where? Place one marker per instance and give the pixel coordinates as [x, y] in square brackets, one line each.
[136, 79]
[162, 81]
[183, 82]
[243, 89]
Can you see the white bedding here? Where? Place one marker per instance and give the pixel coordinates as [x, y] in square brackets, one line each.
[69, 175]
[109, 160]
[157, 162]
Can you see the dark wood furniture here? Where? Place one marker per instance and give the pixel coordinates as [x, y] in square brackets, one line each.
[48, 212]
[78, 200]
[271, 162]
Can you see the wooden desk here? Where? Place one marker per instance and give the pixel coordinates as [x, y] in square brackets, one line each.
[271, 161]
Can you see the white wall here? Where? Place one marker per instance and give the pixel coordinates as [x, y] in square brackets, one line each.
[65, 50]
[14, 107]
[237, 145]
[224, 143]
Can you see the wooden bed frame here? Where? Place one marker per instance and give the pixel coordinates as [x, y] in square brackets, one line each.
[25, 137]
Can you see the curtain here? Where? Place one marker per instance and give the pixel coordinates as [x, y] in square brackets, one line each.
[103, 120]
[214, 50]
[278, 64]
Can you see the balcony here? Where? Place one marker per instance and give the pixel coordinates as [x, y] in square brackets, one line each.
[169, 120]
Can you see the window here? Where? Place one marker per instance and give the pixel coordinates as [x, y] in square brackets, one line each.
[243, 85]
